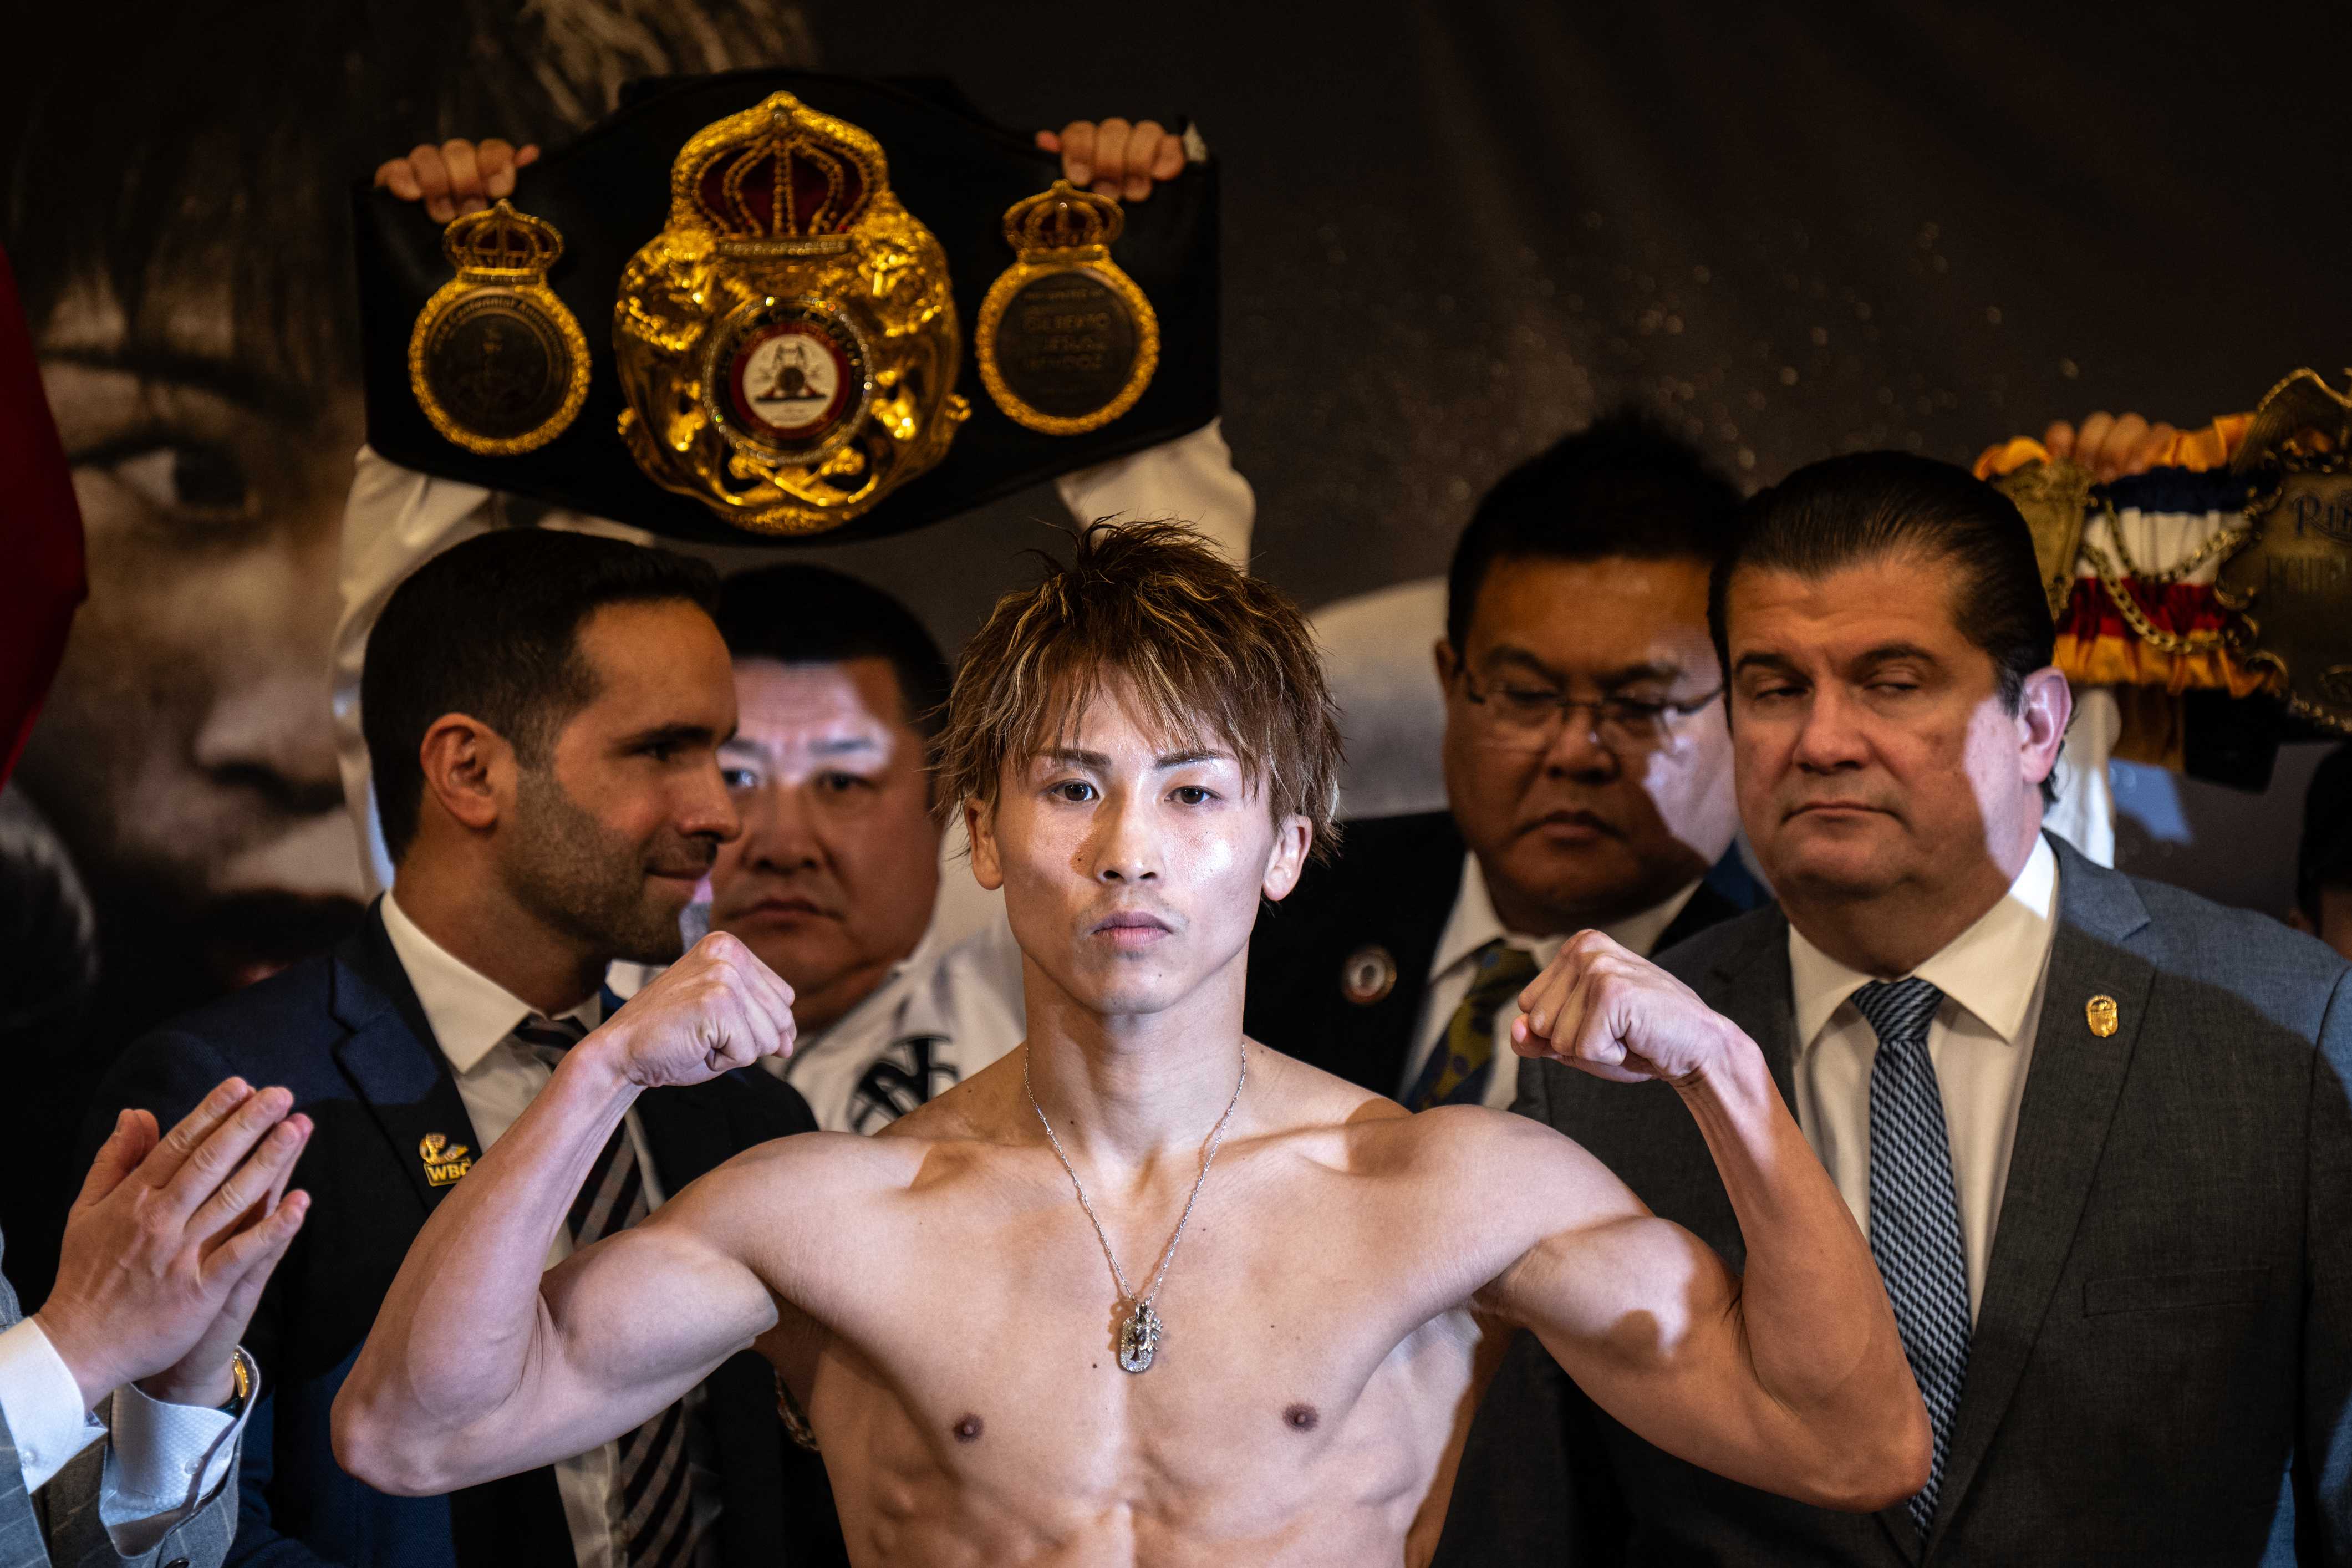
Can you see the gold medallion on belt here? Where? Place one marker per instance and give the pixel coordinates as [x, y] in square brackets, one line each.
[1067, 342]
[787, 344]
[497, 363]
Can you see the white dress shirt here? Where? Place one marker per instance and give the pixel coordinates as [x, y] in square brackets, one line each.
[163, 1463]
[1981, 1041]
[943, 1014]
[1473, 925]
[473, 1019]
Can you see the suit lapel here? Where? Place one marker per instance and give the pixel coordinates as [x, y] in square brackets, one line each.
[1749, 982]
[1755, 978]
[1703, 908]
[1370, 1046]
[2071, 1089]
[391, 1057]
[1758, 986]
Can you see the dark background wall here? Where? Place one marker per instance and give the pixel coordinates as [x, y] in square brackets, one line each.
[1454, 229]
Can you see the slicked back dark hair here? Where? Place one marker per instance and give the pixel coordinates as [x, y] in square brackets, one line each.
[491, 628]
[801, 613]
[1624, 486]
[1850, 511]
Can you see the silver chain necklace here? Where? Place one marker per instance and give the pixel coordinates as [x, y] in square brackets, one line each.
[1140, 1334]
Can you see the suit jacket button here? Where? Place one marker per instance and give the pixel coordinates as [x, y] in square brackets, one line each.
[177, 1562]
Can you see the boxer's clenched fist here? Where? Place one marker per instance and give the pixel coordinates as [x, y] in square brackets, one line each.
[714, 1010]
[1599, 1007]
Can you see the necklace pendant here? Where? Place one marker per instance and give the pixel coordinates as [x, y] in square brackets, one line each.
[1138, 1338]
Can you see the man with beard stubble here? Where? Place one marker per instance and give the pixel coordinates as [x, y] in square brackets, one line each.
[545, 710]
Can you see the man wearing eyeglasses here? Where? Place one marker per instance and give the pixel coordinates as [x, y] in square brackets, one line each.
[1587, 769]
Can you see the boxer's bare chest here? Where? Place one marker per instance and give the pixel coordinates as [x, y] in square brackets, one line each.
[972, 1403]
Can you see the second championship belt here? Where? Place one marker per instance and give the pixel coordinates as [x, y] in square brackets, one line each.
[787, 344]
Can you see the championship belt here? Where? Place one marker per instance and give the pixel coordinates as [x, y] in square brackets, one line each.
[837, 309]
[2292, 583]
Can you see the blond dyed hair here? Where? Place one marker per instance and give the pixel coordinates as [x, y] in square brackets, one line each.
[1202, 650]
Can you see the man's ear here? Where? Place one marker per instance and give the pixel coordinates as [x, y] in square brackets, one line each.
[979, 828]
[1293, 837]
[2044, 704]
[470, 771]
[1442, 651]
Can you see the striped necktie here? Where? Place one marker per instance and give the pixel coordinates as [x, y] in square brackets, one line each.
[1458, 1069]
[1914, 1210]
[652, 1503]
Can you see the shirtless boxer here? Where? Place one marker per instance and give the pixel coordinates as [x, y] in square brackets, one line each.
[1145, 747]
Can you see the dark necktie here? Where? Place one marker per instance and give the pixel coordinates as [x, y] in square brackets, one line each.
[1458, 1069]
[652, 1504]
[1914, 1210]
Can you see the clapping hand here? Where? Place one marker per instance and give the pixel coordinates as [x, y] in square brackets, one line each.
[170, 1243]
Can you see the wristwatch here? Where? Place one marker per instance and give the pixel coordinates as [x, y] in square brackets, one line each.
[241, 1368]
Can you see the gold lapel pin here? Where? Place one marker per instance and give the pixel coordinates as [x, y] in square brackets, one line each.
[1369, 975]
[2100, 1013]
[444, 1161]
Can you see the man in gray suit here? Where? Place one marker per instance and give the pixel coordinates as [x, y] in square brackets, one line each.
[166, 1254]
[2095, 1129]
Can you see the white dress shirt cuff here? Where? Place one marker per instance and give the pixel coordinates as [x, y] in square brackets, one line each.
[166, 1462]
[43, 1405]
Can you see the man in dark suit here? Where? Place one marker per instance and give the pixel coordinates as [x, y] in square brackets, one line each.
[543, 712]
[2095, 1129]
[1587, 773]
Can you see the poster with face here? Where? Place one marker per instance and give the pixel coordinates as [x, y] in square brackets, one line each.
[176, 212]
[178, 219]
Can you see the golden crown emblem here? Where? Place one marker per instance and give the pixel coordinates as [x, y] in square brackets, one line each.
[787, 344]
[801, 178]
[500, 243]
[1063, 218]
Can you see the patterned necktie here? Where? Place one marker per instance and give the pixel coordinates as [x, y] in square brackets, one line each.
[1914, 1210]
[1456, 1071]
[652, 1504]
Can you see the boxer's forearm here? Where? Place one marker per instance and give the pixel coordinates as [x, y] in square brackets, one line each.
[1821, 1335]
[463, 1331]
